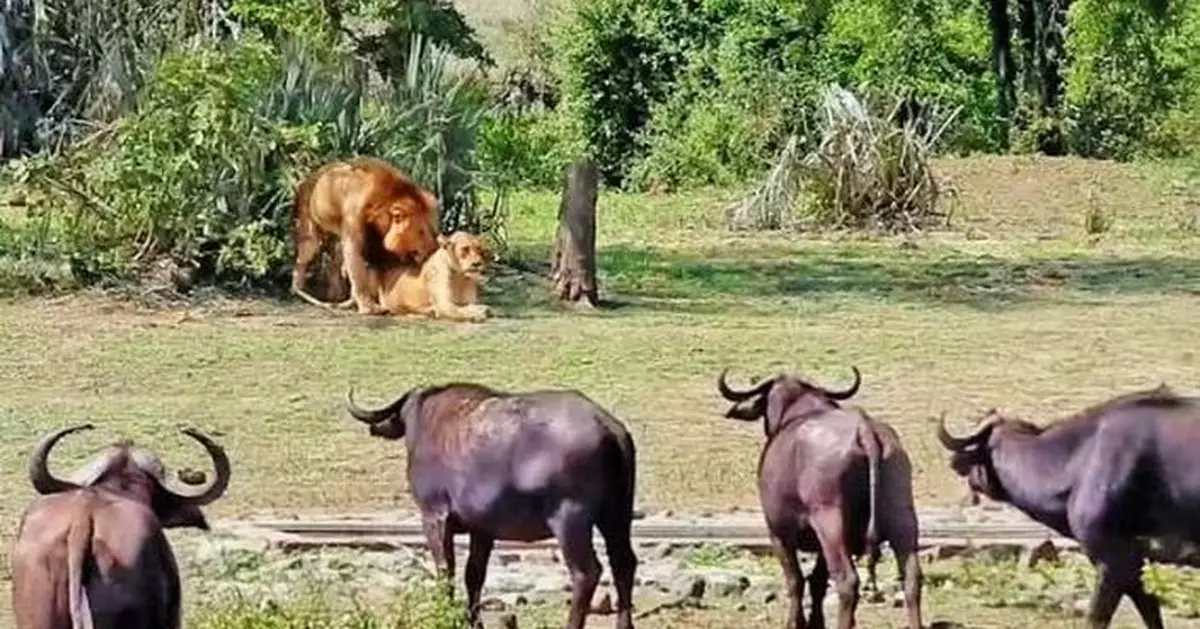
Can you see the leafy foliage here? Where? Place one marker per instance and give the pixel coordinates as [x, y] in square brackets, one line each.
[202, 175]
[674, 93]
[63, 63]
[1133, 85]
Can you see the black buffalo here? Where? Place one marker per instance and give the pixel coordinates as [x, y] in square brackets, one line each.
[1121, 477]
[832, 481]
[90, 552]
[518, 466]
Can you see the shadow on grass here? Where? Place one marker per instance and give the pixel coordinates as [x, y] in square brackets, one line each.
[982, 281]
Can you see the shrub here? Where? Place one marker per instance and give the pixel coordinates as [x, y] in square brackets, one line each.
[671, 92]
[63, 65]
[1132, 86]
[202, 174]
[865, 172]
[868, 172]
[528, 149]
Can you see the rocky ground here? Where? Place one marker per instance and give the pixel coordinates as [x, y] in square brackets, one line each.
[220, 564]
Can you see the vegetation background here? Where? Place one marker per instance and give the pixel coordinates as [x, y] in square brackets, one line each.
[154, 139]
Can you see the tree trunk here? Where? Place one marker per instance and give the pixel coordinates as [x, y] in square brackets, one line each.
[1002, 55]
[573, 267]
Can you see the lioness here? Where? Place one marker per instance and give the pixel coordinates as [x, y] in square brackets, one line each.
[378, 213]
[447, 284]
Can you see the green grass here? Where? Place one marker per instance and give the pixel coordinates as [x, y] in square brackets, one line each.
[1016, 305]
[338, 590]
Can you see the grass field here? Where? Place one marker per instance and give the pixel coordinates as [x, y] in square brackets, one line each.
[1015, 305]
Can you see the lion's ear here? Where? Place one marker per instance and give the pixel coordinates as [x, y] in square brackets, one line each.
[443, 240]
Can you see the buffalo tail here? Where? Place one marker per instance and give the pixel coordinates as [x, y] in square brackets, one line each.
[79, 542]
[870, 444]
[621, 454]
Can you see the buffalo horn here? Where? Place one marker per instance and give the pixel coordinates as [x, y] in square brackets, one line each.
[737, 396]
[848, 393]
[368, 416]
[39, 473]
[958, 443]
[220, 466]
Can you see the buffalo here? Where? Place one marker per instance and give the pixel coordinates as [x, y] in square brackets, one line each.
[833, 481]
[90, 551]
[1120, 477]
[517, 466]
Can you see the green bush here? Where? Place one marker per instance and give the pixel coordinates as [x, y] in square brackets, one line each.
[420, 604]
[674, 93]
[201, 175]
[1133, 84]
[529, 149]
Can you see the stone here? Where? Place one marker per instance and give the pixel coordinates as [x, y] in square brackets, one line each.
[493, 604]
[725, 583]
[948, 551]
[664, 550]
[603, 605]
[513, 599]
[505, 582]
[689, 586]
[1033, 555]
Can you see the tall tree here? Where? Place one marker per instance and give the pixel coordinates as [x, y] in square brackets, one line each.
[573, 268]
[1002, 61]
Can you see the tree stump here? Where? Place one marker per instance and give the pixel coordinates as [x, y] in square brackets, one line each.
[573, 267]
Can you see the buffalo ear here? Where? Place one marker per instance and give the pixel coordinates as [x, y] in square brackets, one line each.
[174, 514]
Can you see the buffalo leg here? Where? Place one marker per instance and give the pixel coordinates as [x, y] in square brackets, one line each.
[908, 564]
[1147, 605]
[818, 585]
[476, 572]
[573, 529]
[872, 584]
[829, 527]
[1118, 569]
[441, 546]
[793, 578]
[622, 561]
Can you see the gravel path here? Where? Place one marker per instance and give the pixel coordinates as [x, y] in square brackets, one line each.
[715, 555]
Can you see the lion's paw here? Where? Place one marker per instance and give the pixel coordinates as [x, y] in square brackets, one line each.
[370, 308]
[478, 312]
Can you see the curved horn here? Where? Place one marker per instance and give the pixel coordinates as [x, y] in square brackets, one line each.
[958, 443]
[847, 393]
[39, 473]
[737, 396]
[220, 466]
[368, 416]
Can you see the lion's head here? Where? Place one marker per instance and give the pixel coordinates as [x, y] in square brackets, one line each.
[468, 253]
[413, 232]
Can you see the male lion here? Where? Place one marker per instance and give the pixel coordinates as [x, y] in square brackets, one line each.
[379, 214]
[447, 284]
